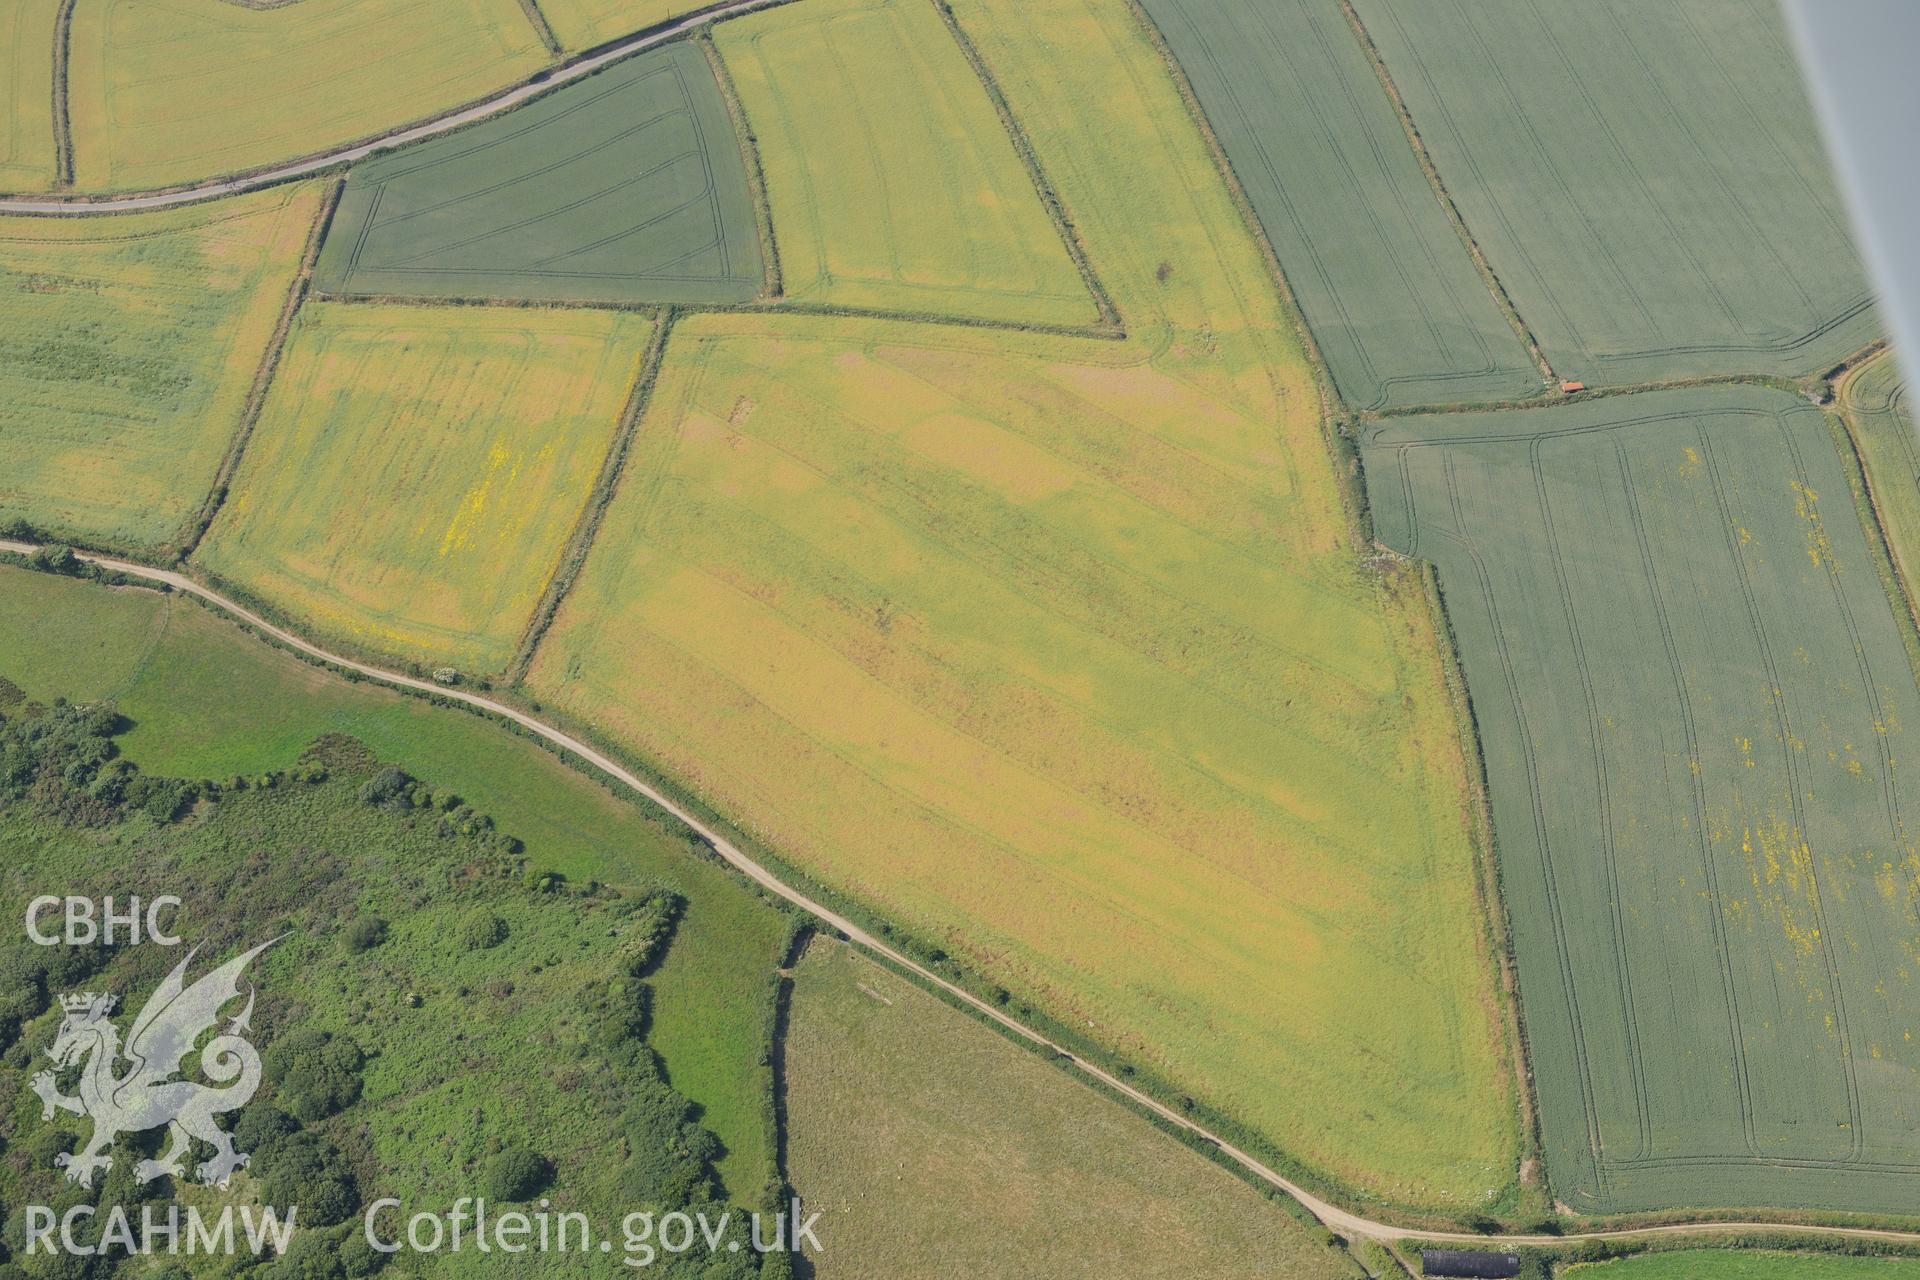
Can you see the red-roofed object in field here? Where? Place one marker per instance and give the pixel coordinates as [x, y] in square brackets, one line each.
[1571, 387]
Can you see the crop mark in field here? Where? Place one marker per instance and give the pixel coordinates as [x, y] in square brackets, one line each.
[1444, 342]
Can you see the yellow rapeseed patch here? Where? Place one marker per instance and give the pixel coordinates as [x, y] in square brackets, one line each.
[417, 472]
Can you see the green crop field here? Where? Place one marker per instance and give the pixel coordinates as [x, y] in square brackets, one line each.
[171, 93]
[1388, 289]
[206, 700]
[26, 95]
[1693, 697]
[1727, 1264]
[1056, 651]
[127, 349]
[932, 1145]
[583, 24]
[416, 472]
[893, 184]
[1879, 410]
[626, 186]
[1646, 180]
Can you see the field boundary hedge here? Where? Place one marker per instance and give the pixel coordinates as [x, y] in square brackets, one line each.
[1081, 1051]
[1043, 186]
[541, 27]
[1573, 1228]
[62, 114]
[749, 143]
[1488, 275]
[580, 542]
[1334, 418]
[1489, 884]
[195, 529]
[1880, 543]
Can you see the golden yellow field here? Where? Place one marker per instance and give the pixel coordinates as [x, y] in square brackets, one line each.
[582, 24]
[417, 471]
[26, 95]
[191, 89]
[127, 348]
[1058, 651]
[893, 184]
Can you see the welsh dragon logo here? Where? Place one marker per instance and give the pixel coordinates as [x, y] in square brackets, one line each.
[148, 1094]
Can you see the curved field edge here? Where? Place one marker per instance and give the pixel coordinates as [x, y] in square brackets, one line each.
[209, 700]
[1876, 405]
[1143, 300]
[1672, 1148]
[207, 89]
[619, 188]
[1648, 271]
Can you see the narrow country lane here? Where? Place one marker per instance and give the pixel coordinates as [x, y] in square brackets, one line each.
[542, 81]
[1333, 1217]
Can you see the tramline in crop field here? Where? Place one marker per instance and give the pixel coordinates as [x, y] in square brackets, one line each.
[1388, 289]
[191, 89]
[1646, 180]
[1693, 698]
[893, 184]
[626, 186]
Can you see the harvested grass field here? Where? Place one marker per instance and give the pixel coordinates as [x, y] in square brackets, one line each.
[626, 186]
[932, 1145]
[1057, 651]
[582, 24]
[1646, 180]
[26, 95]
[1728, 1264]
[894, 185]
[171, 93]
[127, 348]
[206, 700]
[1879, 410]
[416, 472]
[1693, 696]
[1389, 290]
